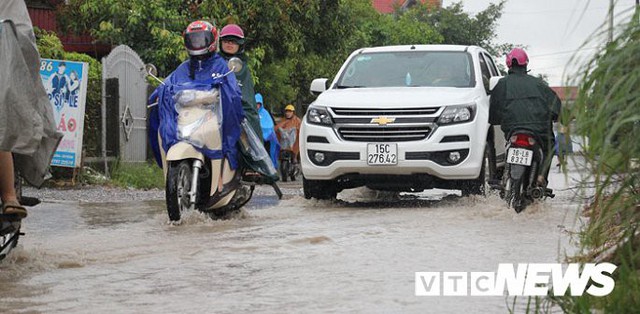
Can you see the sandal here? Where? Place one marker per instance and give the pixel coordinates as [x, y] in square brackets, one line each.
[14, 208]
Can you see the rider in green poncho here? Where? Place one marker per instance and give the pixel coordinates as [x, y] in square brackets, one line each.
[521, 101]
[232, 42]
[232, 45]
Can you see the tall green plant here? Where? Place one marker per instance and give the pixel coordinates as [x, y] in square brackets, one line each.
[607, 113]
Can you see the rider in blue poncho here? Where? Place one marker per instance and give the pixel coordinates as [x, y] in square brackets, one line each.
[204, 69]
[268, 134]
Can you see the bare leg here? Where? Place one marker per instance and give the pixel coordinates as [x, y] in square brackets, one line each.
[7, 189]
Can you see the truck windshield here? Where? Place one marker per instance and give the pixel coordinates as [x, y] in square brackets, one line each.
[411, 68]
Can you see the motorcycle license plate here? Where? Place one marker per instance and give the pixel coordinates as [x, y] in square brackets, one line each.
[519, 156]
[382, 154]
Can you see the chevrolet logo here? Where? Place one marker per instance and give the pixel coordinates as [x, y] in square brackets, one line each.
[382, 120]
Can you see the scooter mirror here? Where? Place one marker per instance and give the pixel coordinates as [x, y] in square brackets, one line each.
[151, 69]
[235, 64]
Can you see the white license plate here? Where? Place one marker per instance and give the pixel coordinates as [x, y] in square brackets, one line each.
[519, 156]
[382, 154]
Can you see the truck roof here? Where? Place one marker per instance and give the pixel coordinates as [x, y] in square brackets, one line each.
[418, 48]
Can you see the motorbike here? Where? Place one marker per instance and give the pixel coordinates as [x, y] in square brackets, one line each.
[287, 160]
[9, 234]
[10, 225]
[288, 166]
[523, 181]
[193, 180]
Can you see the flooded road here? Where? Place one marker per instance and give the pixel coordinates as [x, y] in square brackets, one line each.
[358, 254]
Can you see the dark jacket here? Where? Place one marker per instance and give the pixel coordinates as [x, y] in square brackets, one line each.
[520, 100]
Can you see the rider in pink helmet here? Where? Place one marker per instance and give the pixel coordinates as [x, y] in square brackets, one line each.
[522, 101]
[232, 43]
[232, 33]
[519, 55]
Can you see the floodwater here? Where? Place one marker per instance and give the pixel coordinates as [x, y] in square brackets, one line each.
[359, 254]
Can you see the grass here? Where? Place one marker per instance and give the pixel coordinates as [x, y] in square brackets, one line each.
[607, 112]
[138, 175]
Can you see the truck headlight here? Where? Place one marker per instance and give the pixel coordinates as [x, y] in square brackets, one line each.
[457, 114]
[319, 115]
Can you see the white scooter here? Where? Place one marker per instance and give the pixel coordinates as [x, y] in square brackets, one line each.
[194, 181]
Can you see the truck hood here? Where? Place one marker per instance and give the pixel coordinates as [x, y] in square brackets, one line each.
[396, 97]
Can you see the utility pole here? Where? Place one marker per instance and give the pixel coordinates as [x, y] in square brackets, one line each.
[611, 20]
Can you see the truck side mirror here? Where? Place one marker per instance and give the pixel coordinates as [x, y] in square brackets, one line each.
[318, 86]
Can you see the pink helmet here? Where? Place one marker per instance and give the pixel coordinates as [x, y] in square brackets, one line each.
[521, 57]
[232, 30]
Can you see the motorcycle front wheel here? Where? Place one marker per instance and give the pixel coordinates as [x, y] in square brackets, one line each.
[177, 188]
[284, 169]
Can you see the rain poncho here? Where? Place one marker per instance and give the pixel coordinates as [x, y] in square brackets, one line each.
[163, 118]
[245, 82]
[246, 87]
[268, 134]
[522, 101]
[27, 126]
[288, 131]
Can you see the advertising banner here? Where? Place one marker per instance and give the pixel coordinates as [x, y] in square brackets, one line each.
[66, 85]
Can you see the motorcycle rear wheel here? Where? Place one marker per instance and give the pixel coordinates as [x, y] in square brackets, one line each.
[177, 188]
[515, 198]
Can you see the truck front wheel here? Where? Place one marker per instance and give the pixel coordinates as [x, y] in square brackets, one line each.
[319, 189]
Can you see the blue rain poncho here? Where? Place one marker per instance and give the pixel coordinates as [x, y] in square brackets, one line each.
[268, 133]
[163, 117]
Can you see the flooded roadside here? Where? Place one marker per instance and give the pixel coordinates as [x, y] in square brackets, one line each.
[357, 254]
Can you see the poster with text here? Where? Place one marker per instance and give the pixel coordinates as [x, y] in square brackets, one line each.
[66, 85]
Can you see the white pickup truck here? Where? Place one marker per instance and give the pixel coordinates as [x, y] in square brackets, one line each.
[402, 118]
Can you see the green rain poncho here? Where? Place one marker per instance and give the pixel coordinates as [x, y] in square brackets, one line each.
[520, 100]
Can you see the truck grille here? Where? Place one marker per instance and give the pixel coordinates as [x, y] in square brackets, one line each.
[384, 134]
[384, 112]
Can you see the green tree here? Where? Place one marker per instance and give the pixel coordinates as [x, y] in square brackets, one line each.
[151, 28]
[289, 42]
[459, 28]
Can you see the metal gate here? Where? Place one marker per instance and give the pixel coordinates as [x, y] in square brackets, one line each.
[126, 66]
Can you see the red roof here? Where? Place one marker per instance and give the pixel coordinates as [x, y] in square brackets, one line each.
[388, 6]
[45, 18]
[566, 92]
